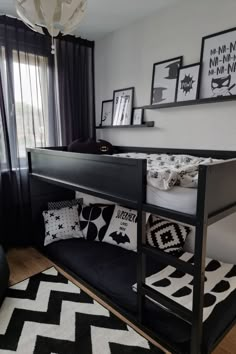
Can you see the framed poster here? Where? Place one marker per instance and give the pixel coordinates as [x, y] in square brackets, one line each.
[188, 83]
[138, 116]
[123, 106]
[164, 80]
[106, 114]
[218, 64]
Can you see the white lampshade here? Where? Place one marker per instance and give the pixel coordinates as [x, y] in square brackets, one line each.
[56, 15]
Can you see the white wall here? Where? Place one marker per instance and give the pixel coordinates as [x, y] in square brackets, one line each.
[125, 58]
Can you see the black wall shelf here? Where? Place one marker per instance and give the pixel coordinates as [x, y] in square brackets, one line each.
[192, 102]
[144, 125]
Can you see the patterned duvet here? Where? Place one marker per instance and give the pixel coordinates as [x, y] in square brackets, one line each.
[166, 171]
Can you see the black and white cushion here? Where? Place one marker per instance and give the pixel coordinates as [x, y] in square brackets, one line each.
[94, 221]
[61, 224]
[64, 204]
[166, 235]
[220, 282]
[122, 230]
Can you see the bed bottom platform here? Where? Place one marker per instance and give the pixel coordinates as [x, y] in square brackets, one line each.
[112, 271]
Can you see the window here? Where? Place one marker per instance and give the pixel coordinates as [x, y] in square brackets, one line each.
[31, 101]
[25, 83]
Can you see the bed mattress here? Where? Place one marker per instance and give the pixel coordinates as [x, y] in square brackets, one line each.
[113, 270]
[180, 199]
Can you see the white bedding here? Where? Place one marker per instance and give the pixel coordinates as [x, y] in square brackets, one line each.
[166, 171]
[180, 199]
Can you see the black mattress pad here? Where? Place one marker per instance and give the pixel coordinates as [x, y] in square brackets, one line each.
[113, 270]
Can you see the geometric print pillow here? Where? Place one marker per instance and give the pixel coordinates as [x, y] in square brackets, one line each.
[166, 235]
[220, 283]
[64, 204]
[94, 221]
[61, 224]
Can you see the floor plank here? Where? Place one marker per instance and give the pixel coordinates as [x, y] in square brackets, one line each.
[27, 262]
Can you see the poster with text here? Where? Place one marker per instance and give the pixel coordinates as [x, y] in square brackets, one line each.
[219, 65]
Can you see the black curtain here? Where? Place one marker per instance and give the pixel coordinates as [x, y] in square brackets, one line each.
[75, 74]
[29, 115]
[27, 120]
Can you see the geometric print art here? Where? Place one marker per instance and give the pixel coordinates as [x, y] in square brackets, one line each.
[165, 235]
[94, 221]
[220, 282]
[61, 224]
[64, 204]
[47, 314]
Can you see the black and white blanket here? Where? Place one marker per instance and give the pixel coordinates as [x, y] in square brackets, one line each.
[166, 171]
[220, 283]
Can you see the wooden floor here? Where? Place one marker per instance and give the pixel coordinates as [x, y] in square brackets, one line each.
[27, 262]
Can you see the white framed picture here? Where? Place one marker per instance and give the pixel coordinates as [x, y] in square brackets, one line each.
[218, 64]
[138, 116]
[106, 114]
[123, 106]
[188, 83]
[164, 81]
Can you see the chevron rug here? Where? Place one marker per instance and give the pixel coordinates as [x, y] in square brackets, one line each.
[47, 314]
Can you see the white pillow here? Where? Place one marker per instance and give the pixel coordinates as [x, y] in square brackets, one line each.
[61, 224]
[122, 230]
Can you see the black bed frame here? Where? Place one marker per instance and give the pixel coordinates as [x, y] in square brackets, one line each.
[123, 181]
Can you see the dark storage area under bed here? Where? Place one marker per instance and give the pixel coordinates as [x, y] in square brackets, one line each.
[112, 271]
[55, 174]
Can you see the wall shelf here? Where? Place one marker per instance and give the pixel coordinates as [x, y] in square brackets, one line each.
[144, 125]
[192, 102]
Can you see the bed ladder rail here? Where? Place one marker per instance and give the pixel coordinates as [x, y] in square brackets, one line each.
[167, 303]
[168, 259]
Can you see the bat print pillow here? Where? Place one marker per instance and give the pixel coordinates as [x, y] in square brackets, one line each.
[122, 230]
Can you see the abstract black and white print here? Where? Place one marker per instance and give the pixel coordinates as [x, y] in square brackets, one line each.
[220, 282]
[61, 224]
[49, 314]
[164, 82]
[94, 221]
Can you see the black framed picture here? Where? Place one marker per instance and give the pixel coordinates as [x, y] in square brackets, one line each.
[164, 80]
[188, 83]
[218, 64]
[138, 114]
[106, 113]
[123, 106]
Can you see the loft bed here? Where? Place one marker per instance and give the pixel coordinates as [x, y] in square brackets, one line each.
[56, 173]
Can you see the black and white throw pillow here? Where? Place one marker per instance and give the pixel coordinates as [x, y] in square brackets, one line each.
[61, 224]
[122, 231]
[165, 235]
[94, 221]
[64, 204]
[220, 282]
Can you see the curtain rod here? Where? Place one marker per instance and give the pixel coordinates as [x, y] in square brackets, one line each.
[10, 19]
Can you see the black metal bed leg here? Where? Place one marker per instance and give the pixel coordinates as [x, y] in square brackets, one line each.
[141, 268]
[198, 289]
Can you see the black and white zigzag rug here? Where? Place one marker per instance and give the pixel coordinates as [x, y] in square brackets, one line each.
[47, 314]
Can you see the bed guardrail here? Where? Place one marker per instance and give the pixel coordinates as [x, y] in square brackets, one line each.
[117, 179]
